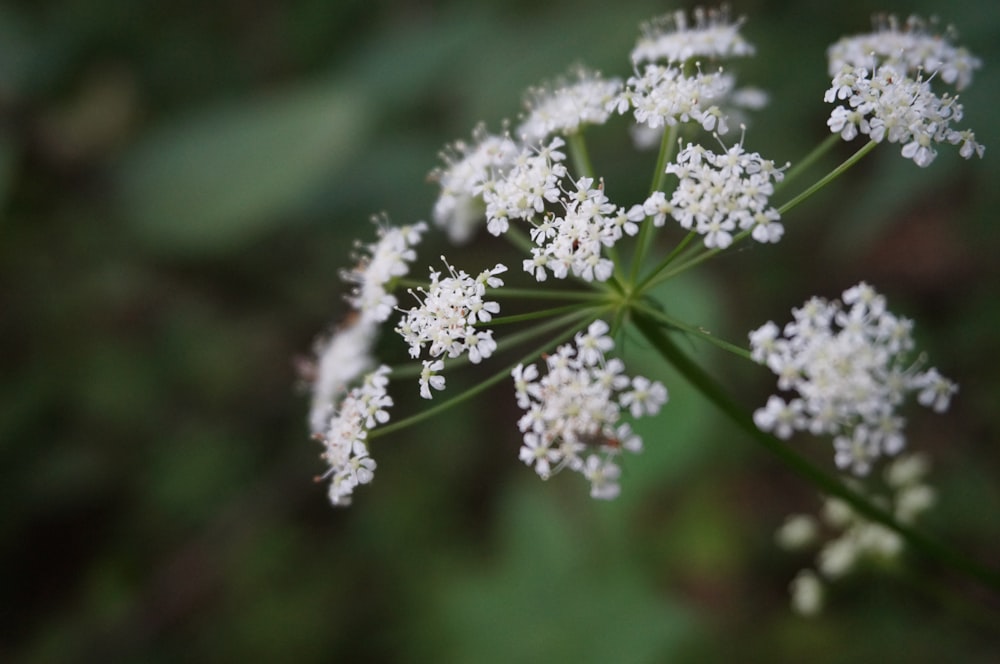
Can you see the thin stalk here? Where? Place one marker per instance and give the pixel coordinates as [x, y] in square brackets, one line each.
[918, 542]
[535, 315]
[802, 166]
[829, 177]
[665, 319]
[667, 146]
[580, 155]
[671, 257]
[542, 294]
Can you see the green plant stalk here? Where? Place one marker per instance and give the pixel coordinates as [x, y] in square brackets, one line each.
[667, 146]
[825, 482]
[829, 177]
[579, 154]
[807, 161]
[701, 333]
[535, 315]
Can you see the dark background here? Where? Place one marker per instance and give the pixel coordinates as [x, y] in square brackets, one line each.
[181, 183]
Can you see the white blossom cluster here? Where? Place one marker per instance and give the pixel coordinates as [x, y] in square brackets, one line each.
[345, 438]
[459, 207]
[895, 108]
[450, 309]
[858, 539]
[573, 412]
[909, 48]
[340, 359]
[717, 194]
[846, 362]
[572, 242]
[505, 179]
[345, 354]
[884, 81]
[671, 38]
[386, 260]
[523, 191]
[663, 96]
[567, 241]
[567, 106]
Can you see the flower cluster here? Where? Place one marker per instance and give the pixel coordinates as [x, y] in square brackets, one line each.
[459, 207]
[346, 451]
[346, 353]
[663, 96]
[575, 408]
[672, 38]
[908, 48]
[450, 309]
[568, 106]
[859, 539]
[848, 367]
[523, 191]
[885, 80]
[718, 193]
[340, 358]
[387, 260]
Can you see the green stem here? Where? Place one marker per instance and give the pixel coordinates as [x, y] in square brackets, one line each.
[580, 156]
[806, 162]
[699, 332]
[819, 478]
[667, 146]
[671, 257]
[541, 294]
[829, 177]
[535, 315]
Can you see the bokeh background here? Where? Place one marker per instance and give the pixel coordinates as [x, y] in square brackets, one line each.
[181, 183]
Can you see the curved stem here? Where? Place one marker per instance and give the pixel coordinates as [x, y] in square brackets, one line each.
[819, 478]
[829, 177]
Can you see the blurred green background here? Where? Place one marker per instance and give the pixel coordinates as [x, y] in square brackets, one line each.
[181, 183]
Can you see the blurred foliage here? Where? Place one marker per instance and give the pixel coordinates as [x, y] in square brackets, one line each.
[180, 184]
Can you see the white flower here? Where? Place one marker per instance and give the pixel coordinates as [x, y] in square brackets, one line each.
[718, 193]
[662, 96]
[385, 260]
[909, 48]
[798, 532]
[577, 406]
[603, 474]
[346, 450]
[521, 191]
[568, 106]
[645, 397]
[342, 357]
[886, 94]
[807, 593]
[848, 367]
[468, 169]
[429, 377]
[447, 320]
[673, 39]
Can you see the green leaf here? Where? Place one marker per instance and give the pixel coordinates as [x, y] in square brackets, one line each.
[219, 178]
